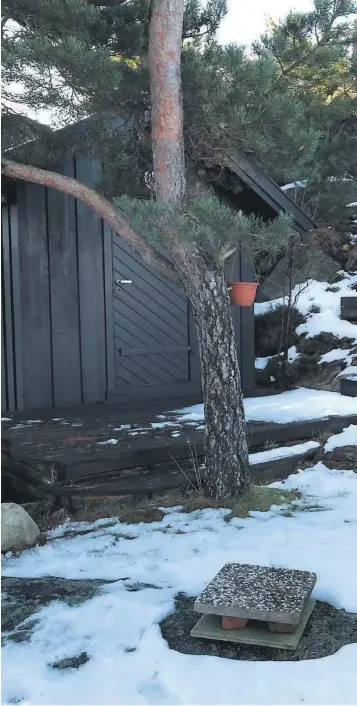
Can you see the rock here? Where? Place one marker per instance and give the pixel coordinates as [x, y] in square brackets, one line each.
[71, 662]
[342, 458]
[22, 598]
[18, 530]
[233, 623]
[317, 265]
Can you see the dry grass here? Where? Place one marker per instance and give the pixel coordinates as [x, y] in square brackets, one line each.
[132, 511]
[258, 498]
[128, 510]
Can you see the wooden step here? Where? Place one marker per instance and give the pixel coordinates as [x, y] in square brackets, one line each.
[349, 308]
[348, 386]
[141, 481]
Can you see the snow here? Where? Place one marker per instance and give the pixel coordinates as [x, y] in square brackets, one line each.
[292, 406]
[347, 437]
[334, 355]
[130, 663]
[349, 372]
[294, 185]
[299, 405]
[327, 319]
[111, 442]
[161, 425]
[352, 205]
[261, 363]
[282, 452]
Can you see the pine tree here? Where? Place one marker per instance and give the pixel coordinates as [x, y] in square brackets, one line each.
[76, 57]
[315, 54]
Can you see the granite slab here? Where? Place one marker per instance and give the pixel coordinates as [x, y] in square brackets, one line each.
[258, 593]
[256, 633]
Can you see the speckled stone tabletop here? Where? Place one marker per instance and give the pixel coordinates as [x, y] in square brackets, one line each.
[258, 593]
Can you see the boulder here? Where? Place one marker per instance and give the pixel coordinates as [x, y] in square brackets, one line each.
[316, 265]
[18, 530]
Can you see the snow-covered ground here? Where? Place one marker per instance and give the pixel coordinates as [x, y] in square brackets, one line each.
[322, 309]
[292, 406]
[129, 661]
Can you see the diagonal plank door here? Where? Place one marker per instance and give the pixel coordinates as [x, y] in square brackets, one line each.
[152, 328]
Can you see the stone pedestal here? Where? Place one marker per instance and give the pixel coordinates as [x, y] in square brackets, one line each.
[256, 605]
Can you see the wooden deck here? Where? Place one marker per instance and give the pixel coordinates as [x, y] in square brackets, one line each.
[146, 455]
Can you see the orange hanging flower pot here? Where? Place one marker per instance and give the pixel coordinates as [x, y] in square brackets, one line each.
[242, 293]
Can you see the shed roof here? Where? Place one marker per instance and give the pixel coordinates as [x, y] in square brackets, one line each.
[265, 194]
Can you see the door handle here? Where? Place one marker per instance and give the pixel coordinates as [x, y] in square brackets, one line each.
[120, 282]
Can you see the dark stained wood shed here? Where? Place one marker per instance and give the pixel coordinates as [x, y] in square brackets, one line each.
[84, 320]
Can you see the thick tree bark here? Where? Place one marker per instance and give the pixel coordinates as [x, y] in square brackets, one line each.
[100, 205]
[165, 41]
[227, 465]
[226, 449]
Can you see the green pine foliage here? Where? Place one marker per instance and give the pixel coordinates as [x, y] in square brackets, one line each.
[214, 227]
[290, 103]
[316, 59]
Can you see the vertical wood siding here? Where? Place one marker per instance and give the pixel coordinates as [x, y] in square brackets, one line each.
[69, 335]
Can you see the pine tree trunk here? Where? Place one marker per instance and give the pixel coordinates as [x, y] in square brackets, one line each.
[227, 466]
[165, 43]
[226, 450]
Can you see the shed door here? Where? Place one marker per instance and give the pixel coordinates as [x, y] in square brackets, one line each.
[152, 327]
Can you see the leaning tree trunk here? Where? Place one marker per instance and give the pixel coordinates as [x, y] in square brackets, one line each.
[226, 450]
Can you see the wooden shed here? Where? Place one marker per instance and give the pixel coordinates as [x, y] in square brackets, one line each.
[84, 320]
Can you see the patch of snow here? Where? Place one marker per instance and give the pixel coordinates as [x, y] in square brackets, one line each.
[286, 407]
[349, 372]
[162, 425]
[335, 355]
[109, 441]
[352, 205]
[282, 452]
[294, 185]
[130, 663]
[58, 419]
[328, 318]
[345, 178]
[293, 354]
[347, 437]
[6, 419]
[175, 433]
[261, 363]
[298, 405]
[123, 427]
[33, 421]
